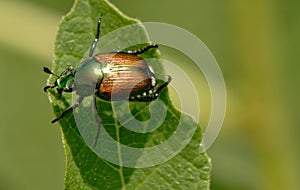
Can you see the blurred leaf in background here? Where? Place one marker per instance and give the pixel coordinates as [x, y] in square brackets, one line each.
[30, 147]
[255, 43]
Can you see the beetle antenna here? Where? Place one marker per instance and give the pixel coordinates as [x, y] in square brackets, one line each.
[48, 71]
[95, 42]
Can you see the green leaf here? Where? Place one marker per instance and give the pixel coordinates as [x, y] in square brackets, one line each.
[86, 167]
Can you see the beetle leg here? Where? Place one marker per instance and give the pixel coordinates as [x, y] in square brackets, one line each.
[95, 42]
[152, 94]
[140, 51]
[98, 122]
[159, 88]
[68, 110]
[50, 86]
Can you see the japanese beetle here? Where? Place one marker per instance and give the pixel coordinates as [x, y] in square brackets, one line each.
[120, 75]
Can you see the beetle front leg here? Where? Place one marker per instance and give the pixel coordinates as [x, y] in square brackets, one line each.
[68, 110]
[50, 86]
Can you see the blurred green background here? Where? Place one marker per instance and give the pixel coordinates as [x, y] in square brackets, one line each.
[255, 43]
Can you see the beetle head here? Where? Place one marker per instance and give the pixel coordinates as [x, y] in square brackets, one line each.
[64, 81]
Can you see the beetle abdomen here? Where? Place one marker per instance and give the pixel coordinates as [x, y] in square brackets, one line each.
[124, 75]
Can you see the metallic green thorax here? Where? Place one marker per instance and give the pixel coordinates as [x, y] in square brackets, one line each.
[87, 77]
